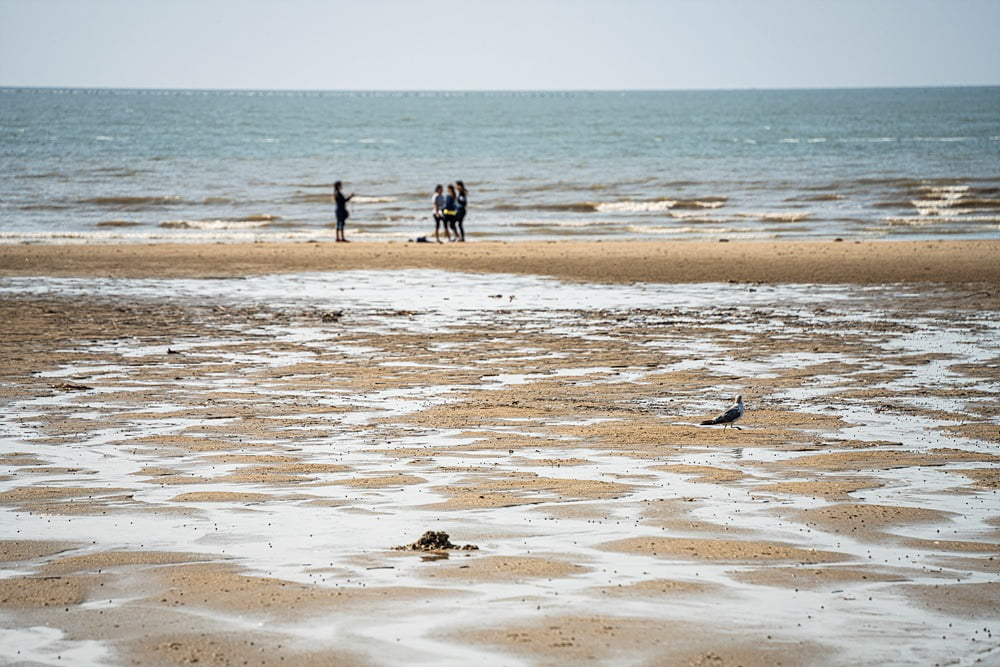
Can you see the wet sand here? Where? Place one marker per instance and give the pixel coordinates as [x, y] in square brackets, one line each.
[189, 478]
[831, 262]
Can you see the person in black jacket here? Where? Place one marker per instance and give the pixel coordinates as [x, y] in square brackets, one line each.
[462, 202]
[342, 214]
[449, 211]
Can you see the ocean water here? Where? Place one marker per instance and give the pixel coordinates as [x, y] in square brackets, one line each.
[140, 166]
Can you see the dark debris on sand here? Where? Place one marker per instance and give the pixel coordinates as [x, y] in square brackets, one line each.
[434, 540]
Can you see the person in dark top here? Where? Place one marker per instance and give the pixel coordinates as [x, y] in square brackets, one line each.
[462, 202]
[342, 214]
[439, 214]
[449, 211]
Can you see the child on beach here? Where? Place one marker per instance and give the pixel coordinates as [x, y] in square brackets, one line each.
[439, 214]
[342, 214]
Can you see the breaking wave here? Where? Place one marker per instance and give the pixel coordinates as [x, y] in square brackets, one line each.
[214, 225]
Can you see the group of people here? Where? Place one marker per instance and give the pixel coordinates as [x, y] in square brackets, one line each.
[449, 211]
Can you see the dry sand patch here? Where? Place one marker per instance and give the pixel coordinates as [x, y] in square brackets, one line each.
[25, 494]
[502, 568]
[857, 461]
[382, 481]
[223, 588]
[657, 588]
[107, 560]
[983, 478]
[984, 431]
[973, 600]
[45, 591]
[235, 648]
[868, 517]
[238, 497]
[707, 474]
[830, 489]
[720, 549]
[523, 488]
[573, 640]
[816, 578]
[22, 550]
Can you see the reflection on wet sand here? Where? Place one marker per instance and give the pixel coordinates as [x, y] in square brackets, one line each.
[192, 471]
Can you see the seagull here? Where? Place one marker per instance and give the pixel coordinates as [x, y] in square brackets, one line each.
[729, 417]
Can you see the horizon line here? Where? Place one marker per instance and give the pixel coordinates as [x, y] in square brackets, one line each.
[460, 91]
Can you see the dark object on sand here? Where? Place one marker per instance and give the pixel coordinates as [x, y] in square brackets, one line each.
[728, 417]
[73, 386]
[434, 541]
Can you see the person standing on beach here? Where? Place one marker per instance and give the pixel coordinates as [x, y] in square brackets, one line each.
[341, 201]
[449, 211]
[462, 201]
[439, 213]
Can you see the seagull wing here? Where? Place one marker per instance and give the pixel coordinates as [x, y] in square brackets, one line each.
[730, 415]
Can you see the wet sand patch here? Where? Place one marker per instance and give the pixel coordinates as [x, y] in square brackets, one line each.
[622, 415]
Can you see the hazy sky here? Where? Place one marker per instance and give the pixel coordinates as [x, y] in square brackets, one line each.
[513, 44]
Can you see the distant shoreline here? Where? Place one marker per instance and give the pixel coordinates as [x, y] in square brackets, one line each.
[805, 262]
[485, 91]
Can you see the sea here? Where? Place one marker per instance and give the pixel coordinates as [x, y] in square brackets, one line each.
[121, 166]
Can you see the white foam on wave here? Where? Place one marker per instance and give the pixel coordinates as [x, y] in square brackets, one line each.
[691, 215]
[214, 225]
[940, 200]
[674, 231]
[776, 216]
[928, 220]
[360, 199]
[636, 206]
[944, 140]
[867, 140]
[171, 235]
[567, 224]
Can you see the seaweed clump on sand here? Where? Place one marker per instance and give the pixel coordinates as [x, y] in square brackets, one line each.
[434, 540]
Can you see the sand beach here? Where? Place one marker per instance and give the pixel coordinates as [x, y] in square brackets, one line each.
[210, 453]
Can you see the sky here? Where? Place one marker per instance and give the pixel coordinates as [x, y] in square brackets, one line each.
[492, 45]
